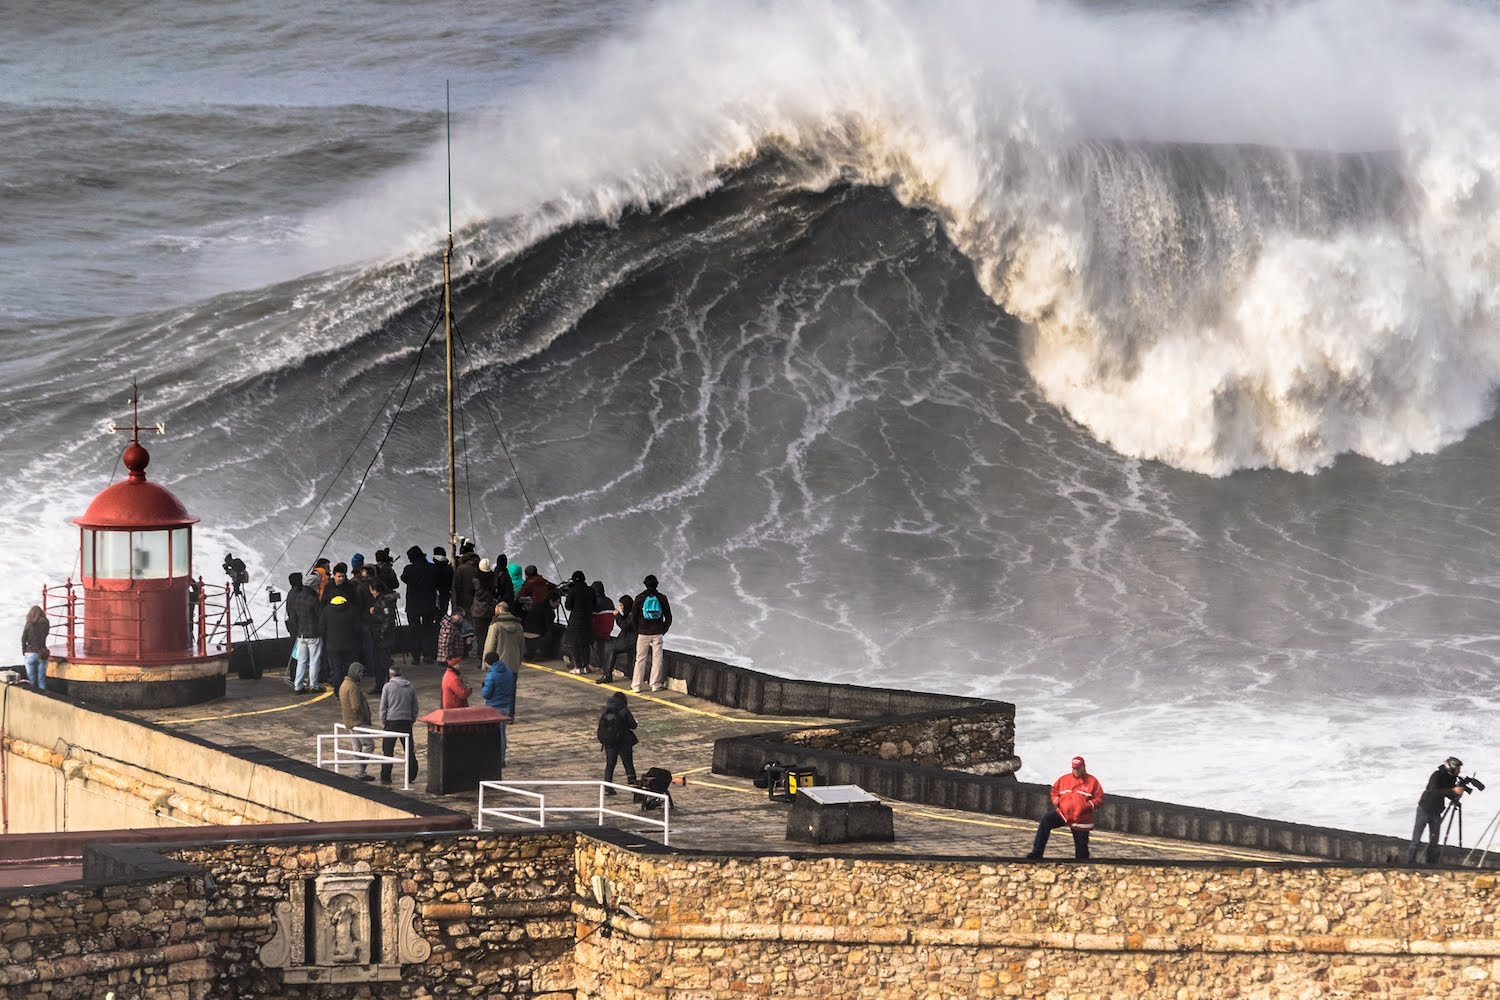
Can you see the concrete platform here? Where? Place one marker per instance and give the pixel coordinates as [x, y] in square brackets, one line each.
[553, 739]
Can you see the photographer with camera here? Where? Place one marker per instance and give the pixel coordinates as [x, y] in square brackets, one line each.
[1443, 786]
[234, 569]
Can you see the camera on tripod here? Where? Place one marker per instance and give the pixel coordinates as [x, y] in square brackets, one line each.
[1471, 783]
[234, 569]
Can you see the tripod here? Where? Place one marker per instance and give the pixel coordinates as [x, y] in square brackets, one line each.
[247, 622]
[242, 611]
[1487, 838]
[1455, 812]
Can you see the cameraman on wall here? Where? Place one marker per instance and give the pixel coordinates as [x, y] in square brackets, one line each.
[1443, 786]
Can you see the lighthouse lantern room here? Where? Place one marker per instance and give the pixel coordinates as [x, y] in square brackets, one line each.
[148, 634]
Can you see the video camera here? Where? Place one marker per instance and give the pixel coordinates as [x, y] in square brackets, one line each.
[235, 570]
[1471, 783]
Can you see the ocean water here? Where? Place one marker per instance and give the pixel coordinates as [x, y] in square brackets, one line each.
[1132, 362]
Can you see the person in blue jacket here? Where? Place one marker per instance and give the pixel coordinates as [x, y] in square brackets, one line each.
[499, 693]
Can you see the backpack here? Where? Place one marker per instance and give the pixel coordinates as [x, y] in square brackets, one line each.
[612, 728]
[656, 779]
[651, 608]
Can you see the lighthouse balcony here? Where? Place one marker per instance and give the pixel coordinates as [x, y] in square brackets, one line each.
[132, 623]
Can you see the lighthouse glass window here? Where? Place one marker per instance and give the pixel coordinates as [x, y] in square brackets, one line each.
[112, 555]
[149, 555]
[182, 552]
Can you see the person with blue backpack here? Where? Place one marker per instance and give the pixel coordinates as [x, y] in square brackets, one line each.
[651, 618]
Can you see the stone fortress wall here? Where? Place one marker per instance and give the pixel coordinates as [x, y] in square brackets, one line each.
[519, 915]
[339, 914]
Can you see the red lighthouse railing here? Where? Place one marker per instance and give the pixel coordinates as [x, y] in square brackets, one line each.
[128, 626]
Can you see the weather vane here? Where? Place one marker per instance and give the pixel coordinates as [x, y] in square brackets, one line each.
[135, 418]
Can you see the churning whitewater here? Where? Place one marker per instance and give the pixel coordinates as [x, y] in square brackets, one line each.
[1131, 363]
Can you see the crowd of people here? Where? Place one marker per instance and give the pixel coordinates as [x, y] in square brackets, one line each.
[343, 618]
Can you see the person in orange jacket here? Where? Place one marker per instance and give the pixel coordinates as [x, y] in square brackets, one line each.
[455, 691]
[1075, 796]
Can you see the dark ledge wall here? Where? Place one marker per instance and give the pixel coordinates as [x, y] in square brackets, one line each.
[1001, 795]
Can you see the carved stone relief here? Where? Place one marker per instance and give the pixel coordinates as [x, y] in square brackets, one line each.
[358, 930]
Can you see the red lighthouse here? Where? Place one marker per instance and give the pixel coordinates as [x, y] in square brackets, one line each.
[149, 633]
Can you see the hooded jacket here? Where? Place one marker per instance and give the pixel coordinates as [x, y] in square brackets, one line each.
[352, 701]
[617, 705]
[505, 588]
[1076, 799]
[463, 581]
[398, 701]
[604, 622]
[341, 621]
[483, 603]
[421, 582]
[537, 587]
[499, 689]
[580, 605]
[507, 639]
[442, 574]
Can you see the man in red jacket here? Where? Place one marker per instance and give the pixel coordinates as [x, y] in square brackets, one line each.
[1075, 796]
[455, 691]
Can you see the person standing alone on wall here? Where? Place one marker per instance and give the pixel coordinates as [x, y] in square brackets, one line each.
[1075, 796]
[1443, 787]
[34, 646]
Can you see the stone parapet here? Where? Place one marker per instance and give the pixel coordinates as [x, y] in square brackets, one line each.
[573, 914]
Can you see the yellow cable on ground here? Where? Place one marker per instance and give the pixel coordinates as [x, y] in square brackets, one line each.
[240, 715]
[585, 679]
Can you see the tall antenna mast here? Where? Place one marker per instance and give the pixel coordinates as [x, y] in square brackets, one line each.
[448, 333]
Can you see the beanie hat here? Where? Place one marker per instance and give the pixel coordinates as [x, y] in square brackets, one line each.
[438, 550]
[357, 560]
[1078, 762]
[484, 565]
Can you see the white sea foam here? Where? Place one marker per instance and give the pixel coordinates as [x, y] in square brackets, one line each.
[1366, 331]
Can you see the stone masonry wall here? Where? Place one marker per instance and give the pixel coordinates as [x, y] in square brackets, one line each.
[515, 915]
[495, 909]
[729, 927]
[77, 941]
[979, 741]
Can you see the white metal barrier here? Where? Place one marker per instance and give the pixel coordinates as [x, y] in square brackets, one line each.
[536, 814]
[351, 757]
